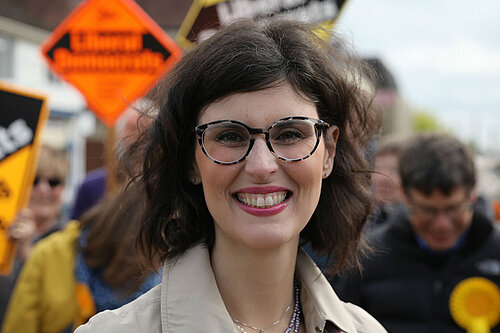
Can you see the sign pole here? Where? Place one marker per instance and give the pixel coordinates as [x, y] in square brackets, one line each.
[110, 160]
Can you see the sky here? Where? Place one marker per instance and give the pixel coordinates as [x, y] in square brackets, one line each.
[443, 54]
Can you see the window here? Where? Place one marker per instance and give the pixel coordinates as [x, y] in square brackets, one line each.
[6, 56]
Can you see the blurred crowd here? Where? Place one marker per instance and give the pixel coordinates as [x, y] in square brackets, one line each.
[430, 229]
[66, 270]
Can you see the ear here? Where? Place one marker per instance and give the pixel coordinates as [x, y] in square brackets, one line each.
[194, 174]
[331, 136]
[474, 194]
[404, 195]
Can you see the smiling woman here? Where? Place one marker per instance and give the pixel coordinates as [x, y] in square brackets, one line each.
[258, 143]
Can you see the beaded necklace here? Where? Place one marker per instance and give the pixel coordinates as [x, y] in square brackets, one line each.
[294, 321]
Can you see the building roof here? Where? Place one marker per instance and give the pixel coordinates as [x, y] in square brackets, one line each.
[48, 14]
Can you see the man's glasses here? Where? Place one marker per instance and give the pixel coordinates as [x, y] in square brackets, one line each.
[290, 139]
[453, 212]
[52, 181]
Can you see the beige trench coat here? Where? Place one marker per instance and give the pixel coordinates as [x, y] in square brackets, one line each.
[188, 300]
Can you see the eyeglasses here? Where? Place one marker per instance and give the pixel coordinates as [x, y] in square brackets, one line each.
[52, 181]
[453, 212]
[290, 139]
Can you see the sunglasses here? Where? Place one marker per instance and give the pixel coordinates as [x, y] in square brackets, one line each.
[53, 182]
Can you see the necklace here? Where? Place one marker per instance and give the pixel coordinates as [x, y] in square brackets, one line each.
[294, 321]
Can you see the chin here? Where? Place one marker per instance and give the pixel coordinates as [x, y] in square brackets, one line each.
[441, 247]
[268, 240]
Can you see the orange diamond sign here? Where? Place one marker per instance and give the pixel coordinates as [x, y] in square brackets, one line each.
[112, 52]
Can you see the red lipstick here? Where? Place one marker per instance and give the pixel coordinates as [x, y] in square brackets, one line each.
[263, 211]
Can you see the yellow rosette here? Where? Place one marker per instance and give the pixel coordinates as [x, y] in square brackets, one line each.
[475, 305]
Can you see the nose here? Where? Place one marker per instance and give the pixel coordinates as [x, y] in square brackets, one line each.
[42, 186]
[260, 162]
[442, 222]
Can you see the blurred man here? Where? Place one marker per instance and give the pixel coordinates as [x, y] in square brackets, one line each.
[386, 179]
[93, 187]
[420, 256]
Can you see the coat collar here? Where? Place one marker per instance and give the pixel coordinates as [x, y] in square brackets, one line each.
[190, 298]
[191, 302]
[318, 300]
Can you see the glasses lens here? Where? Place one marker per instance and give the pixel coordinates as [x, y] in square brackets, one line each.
[452, 212]
[457, 211]
[293, 139]
[54, 182]
[425, 213]
[226, 142]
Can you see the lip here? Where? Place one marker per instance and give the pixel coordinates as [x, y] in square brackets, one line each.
[262, 189]
[269, 211]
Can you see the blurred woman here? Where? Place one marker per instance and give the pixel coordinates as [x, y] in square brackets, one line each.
[40, 218]
[85, 268]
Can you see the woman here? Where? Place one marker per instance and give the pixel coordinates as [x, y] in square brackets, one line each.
[40, 218]
[87, 267]
[257, 143]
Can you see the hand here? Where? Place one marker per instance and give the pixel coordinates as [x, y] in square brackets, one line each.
[22, 230]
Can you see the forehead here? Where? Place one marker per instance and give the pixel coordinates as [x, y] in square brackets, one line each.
[49, 173]
[386, 160]
[259, 108]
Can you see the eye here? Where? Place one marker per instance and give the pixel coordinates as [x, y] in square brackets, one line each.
[456, 209]
[230, 137]
[288, 136]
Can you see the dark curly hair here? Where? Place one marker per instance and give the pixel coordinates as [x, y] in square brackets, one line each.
[248, 56]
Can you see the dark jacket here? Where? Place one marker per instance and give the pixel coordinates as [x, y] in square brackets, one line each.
[408, 289]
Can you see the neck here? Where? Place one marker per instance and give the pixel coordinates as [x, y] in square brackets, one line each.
[44, 225]
[256, 285]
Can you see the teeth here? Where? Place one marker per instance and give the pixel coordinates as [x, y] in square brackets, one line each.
[262, 200]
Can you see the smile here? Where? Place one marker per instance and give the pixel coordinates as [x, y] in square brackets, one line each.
[263, 200]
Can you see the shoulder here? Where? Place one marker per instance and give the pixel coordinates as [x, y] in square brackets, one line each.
[53, 255]
[485, 234]
[362, 320]
[396, 233]
[95, 176]
[140, 315]
[490, 245]
[60, 241]
[496, 231]
[95, 181]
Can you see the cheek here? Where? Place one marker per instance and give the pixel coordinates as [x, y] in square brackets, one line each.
[419, 226]
[57, 192]
[215, 178]
[308, 175]
[466, 221]
[34, 194]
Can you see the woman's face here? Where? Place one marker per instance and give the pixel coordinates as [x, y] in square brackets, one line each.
[46, 197]
[235, 193]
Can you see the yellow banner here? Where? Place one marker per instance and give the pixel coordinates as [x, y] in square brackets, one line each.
[23, 115]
